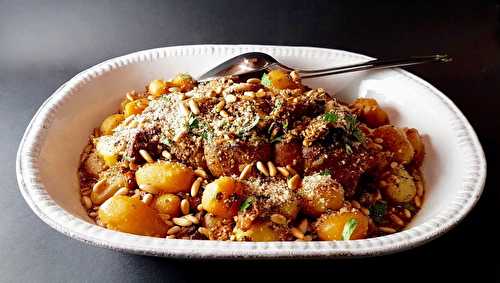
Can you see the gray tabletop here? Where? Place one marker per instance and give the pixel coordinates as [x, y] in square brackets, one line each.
[45, 43]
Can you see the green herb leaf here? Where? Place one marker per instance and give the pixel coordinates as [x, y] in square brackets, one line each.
[265, 81]
[247, 203]
[358, 135]
[352, 122]
[277, 139]
[349, 227]
[330, 117]
[378, 211]
[285, 125]
[325, 173]
[348, 149]
[277, 104]
[193, 122]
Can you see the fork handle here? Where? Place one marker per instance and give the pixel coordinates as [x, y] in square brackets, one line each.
[376, 64]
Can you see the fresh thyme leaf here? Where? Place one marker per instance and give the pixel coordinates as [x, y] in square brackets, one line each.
[378, 211]
[330, 117]
[265, 81]
[349, 228]
[193, 122]
[348, 149]
[285, 125]
[358, 135]
[325, 173]
[247, 203]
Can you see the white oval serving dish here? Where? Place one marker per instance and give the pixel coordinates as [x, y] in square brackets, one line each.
[48, 156]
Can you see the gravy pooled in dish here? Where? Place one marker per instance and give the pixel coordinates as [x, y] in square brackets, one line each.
[257, 160]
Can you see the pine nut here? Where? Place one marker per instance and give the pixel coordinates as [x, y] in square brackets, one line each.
[355, 204]
[194, 107]
[173, 230]
[407, 213]
[387, 230]
[224, 114]
[230, 98]
[146, 156]
[246, 171]
[291, 170]
[192, 218]
[283, 171]
[420, 189]
[396, 219]
[295, 76]
[93, 214]
[87, 202]
[278, 219]
[294, 182]
[130, 96]
[303, 226]
[182, 222]
[183, 109]
[418, 201]
[199, 207]
[147, 199]
[185, 206]
[201, 173]
[195, 187]
[220, 106]
[180, 135]
[394, 165]
[100, 186]
[122, 192]
[262, 168]
[173, 89]
[253, 81]
[272, 169]
[378, 140]
[296, 233]
[260, 93]
[166, 154]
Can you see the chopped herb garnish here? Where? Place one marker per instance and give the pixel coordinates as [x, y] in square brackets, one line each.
[330, 117]
[247, 203]
[277, 104]
[193, 122]
[349, 228]
[285, 125]
[265, 81]
[409, 206]
[277, 139]
[270, 129]
[325, 173]
[378, 211]
[352, 122]
[358, 135]
[348, 149]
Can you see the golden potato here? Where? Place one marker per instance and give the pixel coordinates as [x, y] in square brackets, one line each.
[395, 140]
[331, 226]
[320, 193]
[112, 180]
[166, 177]
[183, 81]
[418, 145]
[222, 197]
[280, 79]
[110, 123]
[157, 87]
[168, 204]
[370, 112]
[107, 150]
[126, 214]
[258, 232]
[290, 209]
[399, 186]
[135, 107]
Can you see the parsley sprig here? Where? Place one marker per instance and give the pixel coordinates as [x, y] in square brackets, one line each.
[349, 228]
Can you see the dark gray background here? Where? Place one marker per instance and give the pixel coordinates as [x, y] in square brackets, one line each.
[45, 43]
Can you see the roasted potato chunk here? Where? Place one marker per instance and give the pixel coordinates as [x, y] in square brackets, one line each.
[330, 227]
[110, 123]
[168, 204]
[164, 177]
[157, 87]
[395, 141]
[126, 214]
[399, 186]
[418, 145]
[135, 107]
[222, 197]
[370, 112]
[259, 232]
[320, 193]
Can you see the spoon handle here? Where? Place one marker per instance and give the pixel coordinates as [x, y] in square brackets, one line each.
[375, 64]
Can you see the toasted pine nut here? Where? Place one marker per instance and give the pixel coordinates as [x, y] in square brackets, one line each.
[87, 202]
[130, 96]
[278, 219]
[192, 218]
[260, 93]
[194, 107]
[253, 81]
[246, 171]
[418, 201]
[201, 173]
[224, 114]
[170, 237]
[183, 109]
[303, 226]
[420, 188]
[220, 106]
[146, 156]
[182, 222]
[100, 186]
[295, 76]
[407, 213]
[297, 233]
[185, 206]
[378, 140]
[272, 169]
[173, 230]
[283, 171]
[180, 135]
[262, 168]
[173, 89]
[93, 214]
[122, 192]
[195, 187]
[166, 154]
[203, 231]
[388, 230]
[294, 182]
[396, 219]
[291, 170]
[230, 98]
[147, 199]
[218, 90]
[394, 164]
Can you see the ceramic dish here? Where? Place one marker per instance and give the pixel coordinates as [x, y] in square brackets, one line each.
[48, 156]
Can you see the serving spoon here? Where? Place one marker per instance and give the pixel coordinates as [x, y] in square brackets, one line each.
[255, 62]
